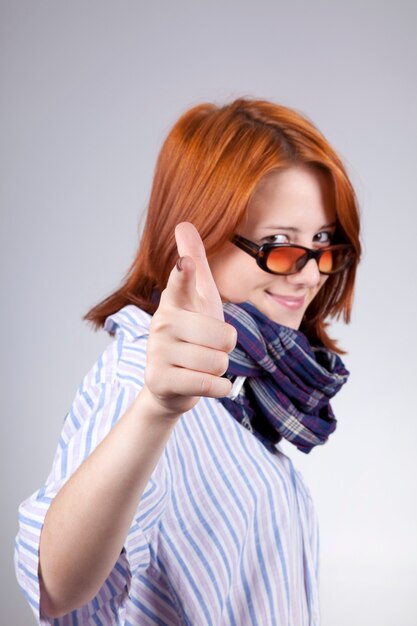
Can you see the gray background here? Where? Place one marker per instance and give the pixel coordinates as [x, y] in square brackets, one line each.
[88, 91]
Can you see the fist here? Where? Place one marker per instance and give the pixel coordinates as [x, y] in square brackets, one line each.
[189, 341]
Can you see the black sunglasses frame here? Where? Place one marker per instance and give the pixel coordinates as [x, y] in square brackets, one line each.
[261, 253]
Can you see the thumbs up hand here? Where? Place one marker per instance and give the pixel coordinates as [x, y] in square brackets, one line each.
[189, 341]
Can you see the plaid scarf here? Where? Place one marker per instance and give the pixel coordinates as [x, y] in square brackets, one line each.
[288, 383]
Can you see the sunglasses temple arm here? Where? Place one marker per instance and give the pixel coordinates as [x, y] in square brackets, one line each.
[247, 246]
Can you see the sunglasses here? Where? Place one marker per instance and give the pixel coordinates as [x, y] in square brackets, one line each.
[286, 259]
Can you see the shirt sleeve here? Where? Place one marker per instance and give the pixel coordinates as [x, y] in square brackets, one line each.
[96, 408]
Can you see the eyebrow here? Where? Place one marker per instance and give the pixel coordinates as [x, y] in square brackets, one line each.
[292, 229]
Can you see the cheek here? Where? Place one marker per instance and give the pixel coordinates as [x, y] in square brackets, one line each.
[323, 279]
[234, 275]
[230, 284]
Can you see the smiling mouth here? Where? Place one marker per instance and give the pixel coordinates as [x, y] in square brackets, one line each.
[290, 302]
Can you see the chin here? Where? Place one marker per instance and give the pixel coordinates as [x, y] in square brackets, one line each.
[295, 325]
[285, 319]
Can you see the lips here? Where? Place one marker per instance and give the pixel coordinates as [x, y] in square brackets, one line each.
[290, 302]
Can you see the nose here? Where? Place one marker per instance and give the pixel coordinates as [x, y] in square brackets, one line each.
[309, 275]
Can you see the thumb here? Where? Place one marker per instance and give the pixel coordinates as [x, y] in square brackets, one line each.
[190, 246]
[181, 287]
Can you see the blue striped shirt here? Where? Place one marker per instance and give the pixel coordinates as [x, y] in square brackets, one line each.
[225, 532]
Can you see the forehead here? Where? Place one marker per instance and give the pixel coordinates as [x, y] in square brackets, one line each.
[298, 197]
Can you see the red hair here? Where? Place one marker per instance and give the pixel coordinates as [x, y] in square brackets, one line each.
[207, 170]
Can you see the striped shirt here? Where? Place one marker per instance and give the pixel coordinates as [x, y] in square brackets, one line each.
[224, 534]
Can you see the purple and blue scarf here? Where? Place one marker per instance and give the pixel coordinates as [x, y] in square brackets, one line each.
[288, 383]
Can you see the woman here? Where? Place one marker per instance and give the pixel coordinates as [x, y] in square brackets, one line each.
[169, 500]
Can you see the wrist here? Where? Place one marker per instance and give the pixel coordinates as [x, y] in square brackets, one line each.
[150, 409]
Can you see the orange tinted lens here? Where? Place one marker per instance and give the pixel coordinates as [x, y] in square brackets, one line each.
[284, 260]
[327, 262]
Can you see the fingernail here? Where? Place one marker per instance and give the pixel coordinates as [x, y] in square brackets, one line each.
[179, 264]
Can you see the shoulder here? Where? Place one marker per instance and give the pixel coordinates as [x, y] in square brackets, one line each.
[108, 388]
[123, 361]
[130, 323]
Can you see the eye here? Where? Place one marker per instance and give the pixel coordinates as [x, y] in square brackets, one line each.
[324, 237]
[279, 238]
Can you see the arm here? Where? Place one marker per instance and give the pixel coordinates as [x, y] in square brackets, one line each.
[88, 521]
